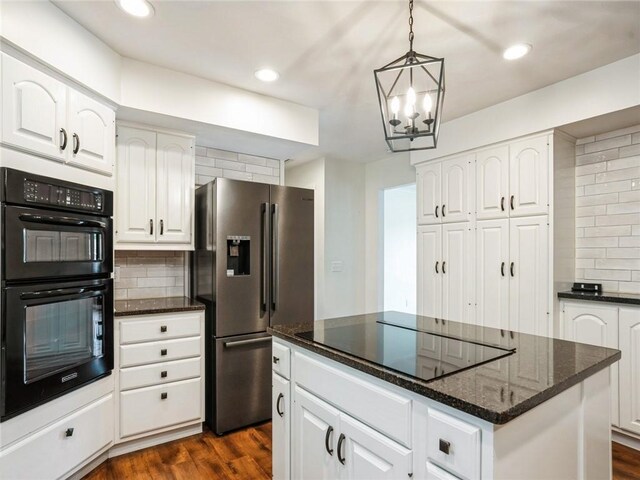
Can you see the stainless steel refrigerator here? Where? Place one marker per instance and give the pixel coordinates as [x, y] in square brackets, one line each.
[252, 267]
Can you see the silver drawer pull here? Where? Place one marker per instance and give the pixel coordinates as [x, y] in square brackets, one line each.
[251, 341]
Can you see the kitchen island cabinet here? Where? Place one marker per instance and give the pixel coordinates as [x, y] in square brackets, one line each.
[365, 398]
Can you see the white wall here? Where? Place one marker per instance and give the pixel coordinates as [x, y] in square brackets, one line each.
[606, 89]
[391, 171]
[311, 175]
[400, 252]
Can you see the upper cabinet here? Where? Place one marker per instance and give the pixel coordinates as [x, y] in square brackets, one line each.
[43, 116]
[529, 177]
[155, 184]
[492, 183]
[444, 190]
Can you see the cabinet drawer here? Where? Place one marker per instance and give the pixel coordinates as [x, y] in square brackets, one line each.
[143, 353]
[281, 360]
[460, 439]
[160, 327]
[385, 411]
[50, 453]
[144, 409]
[159, 373]
[436, 473]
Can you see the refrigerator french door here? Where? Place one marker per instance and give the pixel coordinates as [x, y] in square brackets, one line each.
[253, 267]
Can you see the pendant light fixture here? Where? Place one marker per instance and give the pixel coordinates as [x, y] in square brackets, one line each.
[411, 93]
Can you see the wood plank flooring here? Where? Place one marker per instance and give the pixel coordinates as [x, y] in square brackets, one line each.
[246, 455]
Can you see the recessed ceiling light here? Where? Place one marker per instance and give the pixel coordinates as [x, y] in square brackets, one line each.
[516, 51]
[137, 8]
[267, 75]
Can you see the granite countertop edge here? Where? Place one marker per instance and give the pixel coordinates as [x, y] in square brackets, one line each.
[422, 388]
[625, 298]
[150, 306]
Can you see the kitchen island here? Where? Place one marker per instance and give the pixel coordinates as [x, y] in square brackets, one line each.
[392, 395]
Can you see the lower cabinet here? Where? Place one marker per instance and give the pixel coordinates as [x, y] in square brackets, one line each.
[330, 444]
[280, 424]
[630, 369]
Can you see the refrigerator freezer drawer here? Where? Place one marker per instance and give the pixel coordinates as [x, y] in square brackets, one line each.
[243, 381]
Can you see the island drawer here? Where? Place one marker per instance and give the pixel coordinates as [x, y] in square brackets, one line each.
[159, 327]
[159, 373]
[151, 408]
[453, 444]
[144, 353]
[281, 360]
[377, 407]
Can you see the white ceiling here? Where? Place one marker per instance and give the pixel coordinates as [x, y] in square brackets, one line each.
[326, 51]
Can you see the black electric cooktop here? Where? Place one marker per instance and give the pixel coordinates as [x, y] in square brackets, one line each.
[422, 355]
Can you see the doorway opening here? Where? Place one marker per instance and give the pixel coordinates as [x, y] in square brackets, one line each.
[398, 263]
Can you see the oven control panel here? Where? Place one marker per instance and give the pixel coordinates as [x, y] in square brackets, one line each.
[49, 194]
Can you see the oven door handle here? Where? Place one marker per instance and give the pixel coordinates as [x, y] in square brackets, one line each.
[67, 221]
[60, 292]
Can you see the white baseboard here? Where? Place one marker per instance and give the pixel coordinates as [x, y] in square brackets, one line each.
[153, 440]
[625, 438]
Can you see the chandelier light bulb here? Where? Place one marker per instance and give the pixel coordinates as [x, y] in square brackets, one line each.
[408, 110]
[427, 103]
[411, 97]
[395, 106]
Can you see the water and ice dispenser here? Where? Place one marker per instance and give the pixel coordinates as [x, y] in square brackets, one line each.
[238, 255]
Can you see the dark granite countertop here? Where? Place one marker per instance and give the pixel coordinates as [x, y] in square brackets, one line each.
[497, 391]
[145, 306]
[628, 298]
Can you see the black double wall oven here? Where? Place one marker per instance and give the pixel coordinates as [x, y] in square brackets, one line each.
[56, 327]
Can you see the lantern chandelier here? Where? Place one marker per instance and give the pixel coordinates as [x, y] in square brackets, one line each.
[414, 85]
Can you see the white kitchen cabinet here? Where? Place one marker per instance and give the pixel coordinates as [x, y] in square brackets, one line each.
[34, 110]
[529, 275]
[492, 183]
[492, 284]
[93, 133]
[428, 193]
[444, 191]
[155, 182]
[368, 455]
[629, 344]
[174, 188]
[456, 271]
[429, 282]
[529, 176]
[315, 436]
[281, 423]
[43, 116]
[596, 325]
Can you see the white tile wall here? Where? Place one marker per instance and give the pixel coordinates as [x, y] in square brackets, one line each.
[146, 274]
[608, 210]
[211, 163]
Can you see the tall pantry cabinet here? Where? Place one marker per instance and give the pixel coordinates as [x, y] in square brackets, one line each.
[500, 252]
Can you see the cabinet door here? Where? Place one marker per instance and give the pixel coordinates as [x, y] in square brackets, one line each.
[595, 325]
[428, 184]
[456, 271]
[455, 189]
[175, 186]
[33, 110]
[492, 183]
[629, 368]
[93, 125]
[369, 455]
[529, 275]
[136, 184]
[281, 415]
[492, 273]
[314, 438]
[430, 270]
[529, 177]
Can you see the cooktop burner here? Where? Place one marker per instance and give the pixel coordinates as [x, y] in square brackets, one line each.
[422, 355]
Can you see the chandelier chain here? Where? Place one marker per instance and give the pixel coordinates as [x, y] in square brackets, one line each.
[411, 25]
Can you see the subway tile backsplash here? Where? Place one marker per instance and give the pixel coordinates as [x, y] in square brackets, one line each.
[608, 210]
[147, 274]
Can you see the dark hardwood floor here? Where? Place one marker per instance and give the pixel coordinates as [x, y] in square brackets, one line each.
[246, 455]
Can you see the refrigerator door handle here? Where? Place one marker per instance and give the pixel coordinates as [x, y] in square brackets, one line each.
[251, 341]
[265, 256]
[275, 256]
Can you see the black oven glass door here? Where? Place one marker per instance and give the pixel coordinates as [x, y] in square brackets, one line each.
[57, 336]
[49, 244]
